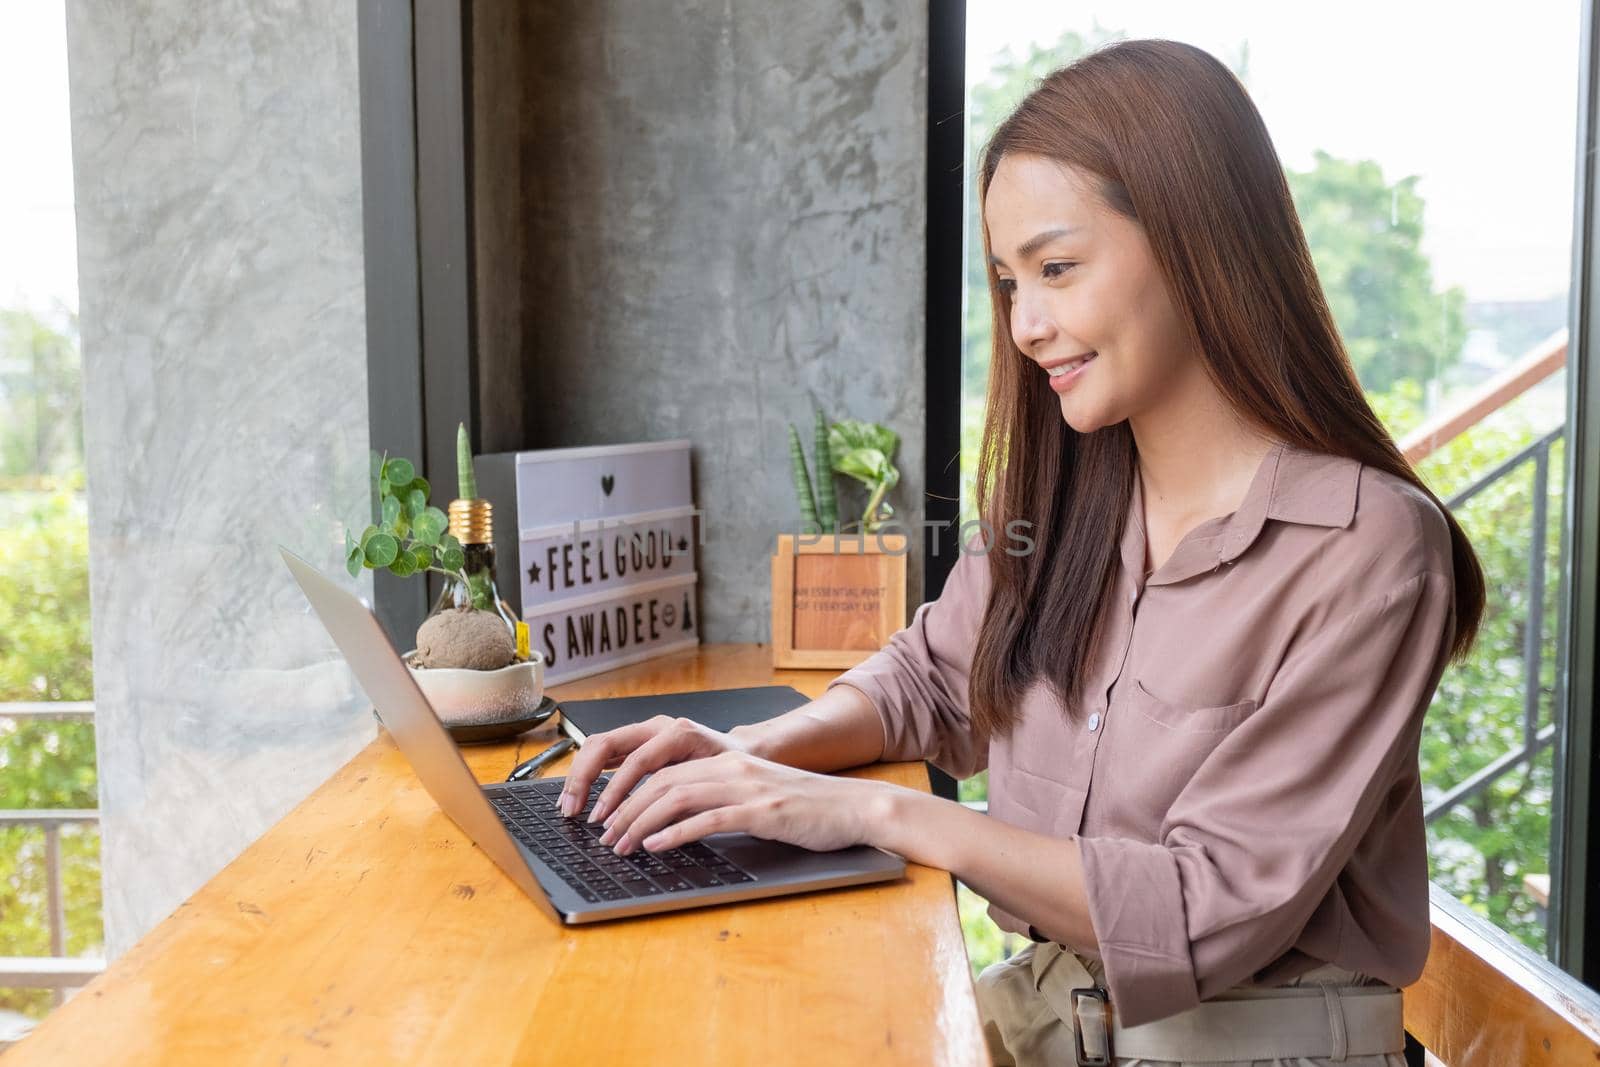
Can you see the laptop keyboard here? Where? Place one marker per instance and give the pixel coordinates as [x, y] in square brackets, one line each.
[571, 847]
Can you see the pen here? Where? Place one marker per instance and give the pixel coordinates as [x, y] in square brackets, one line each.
[528, 767]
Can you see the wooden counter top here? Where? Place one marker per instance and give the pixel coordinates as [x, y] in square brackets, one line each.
[364, 928]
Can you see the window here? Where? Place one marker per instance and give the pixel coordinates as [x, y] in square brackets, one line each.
[49, 836]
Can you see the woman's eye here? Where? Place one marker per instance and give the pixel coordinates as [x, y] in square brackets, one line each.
[1051, 271]
[1007, 286]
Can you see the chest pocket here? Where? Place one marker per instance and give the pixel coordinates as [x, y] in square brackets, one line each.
[1172, 739]
[1186, 717]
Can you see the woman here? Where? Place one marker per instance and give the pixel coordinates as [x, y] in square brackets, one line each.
[1199, 686]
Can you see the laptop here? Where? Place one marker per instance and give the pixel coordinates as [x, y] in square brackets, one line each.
[557, 861]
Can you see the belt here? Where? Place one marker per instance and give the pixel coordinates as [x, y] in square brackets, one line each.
[1326, 1020]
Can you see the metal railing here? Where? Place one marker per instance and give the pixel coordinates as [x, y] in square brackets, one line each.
[1535, 739]
[57, 972]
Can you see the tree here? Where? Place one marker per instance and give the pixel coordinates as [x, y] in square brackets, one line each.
[41, 395]
[44, 640]
[1365, 235]
[44, 655]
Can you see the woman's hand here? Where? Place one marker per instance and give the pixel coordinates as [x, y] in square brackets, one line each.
[735, 791]
[636, 751]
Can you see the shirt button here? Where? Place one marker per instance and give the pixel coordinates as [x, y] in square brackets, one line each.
[1094, 722]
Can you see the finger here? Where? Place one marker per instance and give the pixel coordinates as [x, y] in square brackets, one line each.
[672, 806]
[647, 793]
[668, 746]
[713, 821]
[629, 806]
[597, 753]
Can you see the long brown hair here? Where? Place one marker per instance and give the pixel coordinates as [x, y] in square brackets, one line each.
[1178, 147]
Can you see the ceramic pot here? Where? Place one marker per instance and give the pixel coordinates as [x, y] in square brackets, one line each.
[463, 697]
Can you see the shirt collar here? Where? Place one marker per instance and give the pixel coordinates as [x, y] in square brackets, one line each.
[1291, 484]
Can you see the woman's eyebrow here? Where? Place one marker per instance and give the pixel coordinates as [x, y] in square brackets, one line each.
[1036, 242]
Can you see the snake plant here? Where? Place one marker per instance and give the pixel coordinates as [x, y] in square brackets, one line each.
[861, 450]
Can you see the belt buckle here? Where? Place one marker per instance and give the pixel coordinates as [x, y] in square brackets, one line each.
[1084, 1059]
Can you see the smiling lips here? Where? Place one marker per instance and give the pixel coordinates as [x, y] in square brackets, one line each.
[1061, 370]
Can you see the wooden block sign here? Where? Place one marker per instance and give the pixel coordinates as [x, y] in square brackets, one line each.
[593, 556]
[603, 542]
[836, 599]
[564, 497]
[591, 634]
[556, 485]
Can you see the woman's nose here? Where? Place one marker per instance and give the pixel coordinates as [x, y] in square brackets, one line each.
[1030, 326]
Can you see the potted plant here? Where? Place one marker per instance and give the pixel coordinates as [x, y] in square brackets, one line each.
[838, 592]
[863, 451]
[471, 657]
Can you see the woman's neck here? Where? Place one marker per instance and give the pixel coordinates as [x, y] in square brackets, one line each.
[1193, 469]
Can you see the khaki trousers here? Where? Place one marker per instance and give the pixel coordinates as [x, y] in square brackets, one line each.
[1023, 1030]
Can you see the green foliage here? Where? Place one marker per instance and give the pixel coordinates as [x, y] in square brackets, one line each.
[865, 452]
[410, 536]
[986, 942]
[1365, 235]
[802, 482]
[44, 655]
[827, 506]
[24, 922]
[44, 595]
[466, 477]
[1483, 847]
[41, 386]
[861, 450]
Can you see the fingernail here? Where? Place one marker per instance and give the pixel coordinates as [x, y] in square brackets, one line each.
[623, 846]
[566, 803]
[652, 841]
[605, 838]
[594, 813]
[613, 815]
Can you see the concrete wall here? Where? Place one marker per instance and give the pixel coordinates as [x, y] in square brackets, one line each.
[219, 229]
[695, 220]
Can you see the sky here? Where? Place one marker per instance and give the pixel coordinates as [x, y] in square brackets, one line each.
[38, 238]
[1480, 103]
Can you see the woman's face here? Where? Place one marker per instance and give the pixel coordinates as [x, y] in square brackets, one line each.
[1081, 278]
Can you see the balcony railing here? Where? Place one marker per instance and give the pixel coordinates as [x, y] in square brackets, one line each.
[1544, 360]
[1535, 739]
[58, 971]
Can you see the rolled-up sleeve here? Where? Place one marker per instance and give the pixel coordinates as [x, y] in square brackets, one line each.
[918, 681]
[1256, 839]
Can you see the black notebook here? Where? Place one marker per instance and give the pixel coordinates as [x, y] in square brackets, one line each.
[720, 709]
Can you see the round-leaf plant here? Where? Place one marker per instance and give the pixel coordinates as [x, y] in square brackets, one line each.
[409, 536]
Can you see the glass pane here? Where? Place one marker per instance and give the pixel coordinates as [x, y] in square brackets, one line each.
[46, 761]
[1438, 206]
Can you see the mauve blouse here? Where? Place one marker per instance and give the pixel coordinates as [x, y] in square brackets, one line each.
[1243, 778]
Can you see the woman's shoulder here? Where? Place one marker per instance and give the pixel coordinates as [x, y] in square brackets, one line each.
[1399, 521]
[1383, 537]
[1358, 516]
